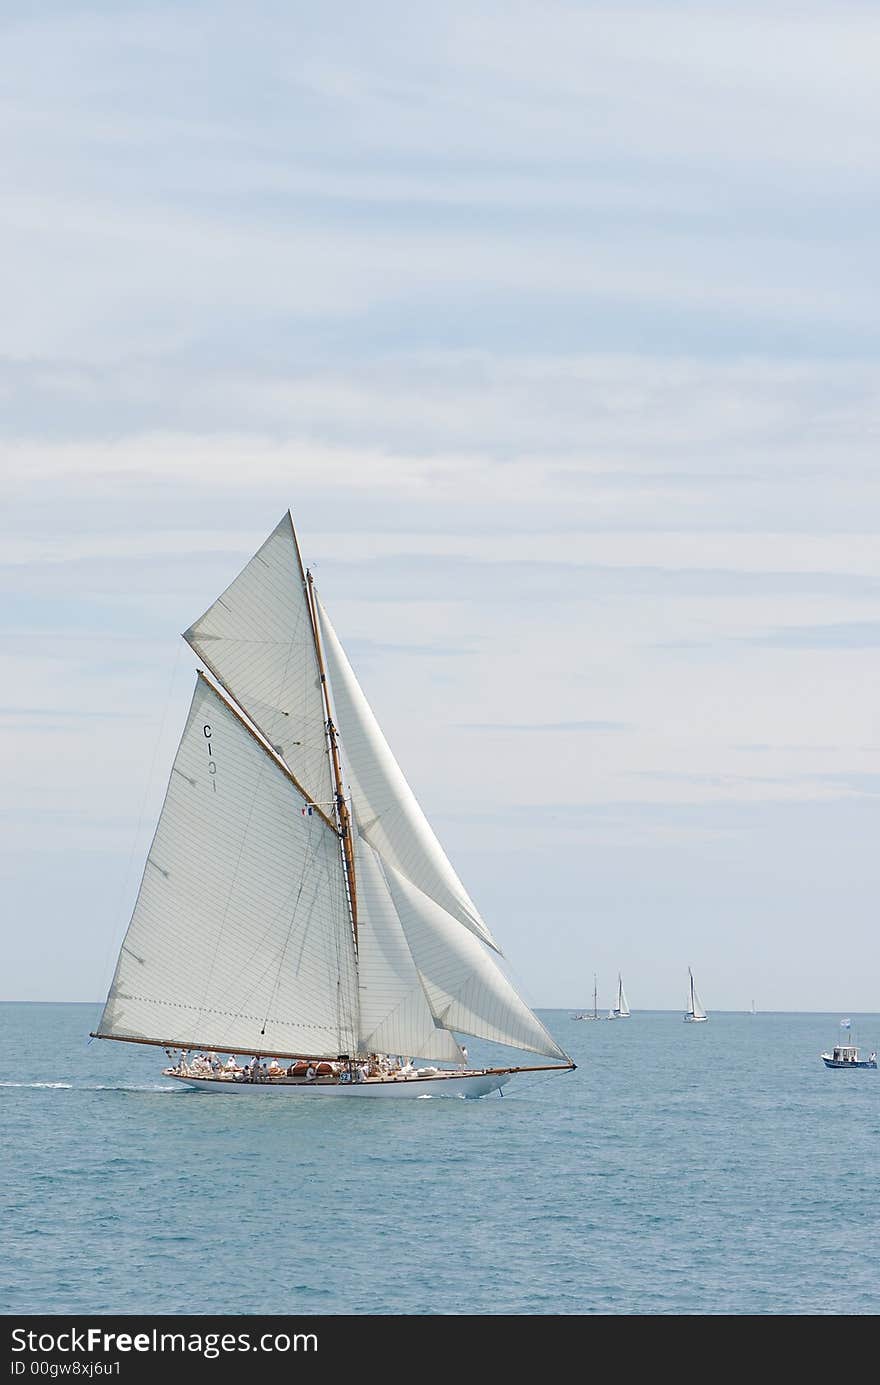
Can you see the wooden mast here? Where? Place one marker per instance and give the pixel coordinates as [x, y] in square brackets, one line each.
[342, 814]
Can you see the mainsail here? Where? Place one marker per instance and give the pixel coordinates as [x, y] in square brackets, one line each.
[244, 936]
[240, 938]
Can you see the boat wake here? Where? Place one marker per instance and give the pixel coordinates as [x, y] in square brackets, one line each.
[65, 1086]
[92, 1087]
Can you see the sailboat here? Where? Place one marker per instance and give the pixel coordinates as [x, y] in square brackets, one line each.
[621, 1010]
[594, 1014]
[282, 917]
[694, 1012]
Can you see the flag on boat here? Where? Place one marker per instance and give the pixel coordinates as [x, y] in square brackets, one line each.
[308, 810]
[846, 1024]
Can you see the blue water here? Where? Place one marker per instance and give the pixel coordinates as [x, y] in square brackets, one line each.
[683, 1169]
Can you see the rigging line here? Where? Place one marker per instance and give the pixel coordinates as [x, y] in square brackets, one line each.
[210, 969]
[331, 876]
[260, 945]
[147, 789]
[536, 1081]
[307, 861]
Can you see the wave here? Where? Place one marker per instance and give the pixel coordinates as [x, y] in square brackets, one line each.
[130, 1087]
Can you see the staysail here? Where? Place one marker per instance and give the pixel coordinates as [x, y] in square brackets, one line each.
[423, 976]
[395, 1015]
[240, 938]
[466, 990]
[257, 641]
[385, 806]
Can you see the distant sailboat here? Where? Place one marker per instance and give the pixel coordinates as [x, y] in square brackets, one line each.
[621, 1009]
[586, 1015]
[694, 1013]
[753, 1011]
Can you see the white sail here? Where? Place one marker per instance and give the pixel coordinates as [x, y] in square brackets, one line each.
[465, 989]
[241, 937]
[257, 640]
[395, 1016]
[694, 1006]
[385, 806]
[622, 1009]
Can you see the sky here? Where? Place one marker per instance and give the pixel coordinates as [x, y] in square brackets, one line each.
[555, 324]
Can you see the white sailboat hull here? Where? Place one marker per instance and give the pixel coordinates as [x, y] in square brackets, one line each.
[447, 1084]
[695, 1019]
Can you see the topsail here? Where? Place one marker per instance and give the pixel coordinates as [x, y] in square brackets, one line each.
[257, 641]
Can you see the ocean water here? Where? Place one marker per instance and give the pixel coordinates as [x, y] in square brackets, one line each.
[682, 1169]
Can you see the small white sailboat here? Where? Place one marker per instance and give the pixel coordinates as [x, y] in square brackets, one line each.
[621, 1010]
[694, 1012]
[283, 916]
[753, 1011]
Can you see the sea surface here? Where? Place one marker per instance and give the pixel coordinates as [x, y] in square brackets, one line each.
[682, 1169]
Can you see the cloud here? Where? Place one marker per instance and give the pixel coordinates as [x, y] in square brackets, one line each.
[495, 177]
[550, 323]
[544, 726]
[864, 634]
[379, 649]
[40, 715]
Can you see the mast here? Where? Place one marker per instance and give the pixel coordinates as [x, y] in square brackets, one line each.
[342, 814]
[595, 998]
